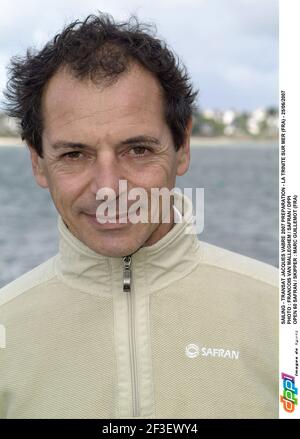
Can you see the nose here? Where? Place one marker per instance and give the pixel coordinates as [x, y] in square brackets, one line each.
[107, 172]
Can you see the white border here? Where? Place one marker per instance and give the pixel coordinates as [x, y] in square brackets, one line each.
[289, 81]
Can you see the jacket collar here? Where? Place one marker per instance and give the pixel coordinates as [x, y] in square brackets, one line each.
[168, 260]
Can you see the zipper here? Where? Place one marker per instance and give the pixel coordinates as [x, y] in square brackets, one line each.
[127, 284]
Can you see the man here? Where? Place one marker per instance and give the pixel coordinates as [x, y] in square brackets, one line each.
[129, 319]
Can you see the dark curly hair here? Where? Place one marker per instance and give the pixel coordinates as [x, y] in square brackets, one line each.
[99, 49]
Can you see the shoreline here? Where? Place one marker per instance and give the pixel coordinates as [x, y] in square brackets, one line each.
[228, 141]
[11, 141]
[195, 141]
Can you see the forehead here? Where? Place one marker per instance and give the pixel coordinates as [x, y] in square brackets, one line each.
[135, 98]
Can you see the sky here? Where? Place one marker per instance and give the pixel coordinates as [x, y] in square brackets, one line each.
[230, 47]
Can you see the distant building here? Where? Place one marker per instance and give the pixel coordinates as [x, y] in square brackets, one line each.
[228, 117]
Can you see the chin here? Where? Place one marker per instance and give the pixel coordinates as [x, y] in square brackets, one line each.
[115, 243]
[115, 251]
[117, 246]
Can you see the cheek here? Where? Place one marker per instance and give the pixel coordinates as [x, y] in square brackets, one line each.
[65, 189]
[157, 175]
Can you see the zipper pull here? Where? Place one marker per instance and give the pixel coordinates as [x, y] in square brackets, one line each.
[127, 274]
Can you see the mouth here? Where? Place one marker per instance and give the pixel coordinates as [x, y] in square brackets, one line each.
[107, 224]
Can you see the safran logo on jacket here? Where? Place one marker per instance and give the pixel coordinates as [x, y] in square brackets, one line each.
[193, 350]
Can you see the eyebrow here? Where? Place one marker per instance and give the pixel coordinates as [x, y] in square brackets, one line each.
[131, 140]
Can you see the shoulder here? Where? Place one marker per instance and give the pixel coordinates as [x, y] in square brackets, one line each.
[28, 281]
[230, 261]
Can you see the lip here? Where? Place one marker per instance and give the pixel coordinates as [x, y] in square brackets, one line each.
[107, 225]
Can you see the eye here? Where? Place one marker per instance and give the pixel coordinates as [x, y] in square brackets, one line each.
[140, 150]
[73, 155]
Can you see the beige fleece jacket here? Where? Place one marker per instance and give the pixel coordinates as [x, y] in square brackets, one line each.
[194, 336]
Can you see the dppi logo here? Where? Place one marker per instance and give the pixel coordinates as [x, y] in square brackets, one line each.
[290, 391]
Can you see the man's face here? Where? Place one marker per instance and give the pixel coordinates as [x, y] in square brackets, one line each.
[114, 132]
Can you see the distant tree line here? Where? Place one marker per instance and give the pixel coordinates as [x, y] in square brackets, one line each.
[257, 123]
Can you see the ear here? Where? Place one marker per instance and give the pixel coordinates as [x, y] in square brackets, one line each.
[38, 167]
[183, 154]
